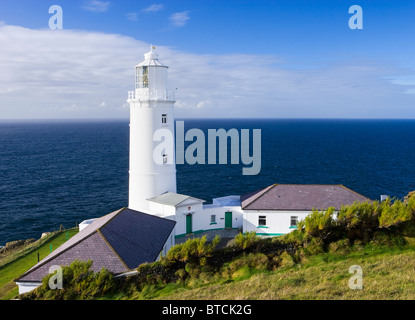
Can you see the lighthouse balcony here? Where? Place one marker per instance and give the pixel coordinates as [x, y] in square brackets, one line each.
[149, 94]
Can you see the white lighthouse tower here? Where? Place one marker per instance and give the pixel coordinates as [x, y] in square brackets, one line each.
[151, 109]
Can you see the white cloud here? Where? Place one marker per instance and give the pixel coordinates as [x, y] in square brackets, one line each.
[153, 8]
[80, 74]
[179, 19]
[96, 6]
[133, 16]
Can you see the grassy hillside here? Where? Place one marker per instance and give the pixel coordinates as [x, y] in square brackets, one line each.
[19, 261]
[311, 262]
[388, 273]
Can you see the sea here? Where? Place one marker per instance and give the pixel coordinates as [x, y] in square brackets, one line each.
[57, 173]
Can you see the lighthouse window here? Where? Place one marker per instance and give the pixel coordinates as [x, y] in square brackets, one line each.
[141, 77]
[145, 77]
[164, 158]
[164, 118]
[137, 78]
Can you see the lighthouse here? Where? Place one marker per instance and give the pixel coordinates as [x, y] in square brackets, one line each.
[151, 111]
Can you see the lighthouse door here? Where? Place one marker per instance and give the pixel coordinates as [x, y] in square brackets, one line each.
[189, 224]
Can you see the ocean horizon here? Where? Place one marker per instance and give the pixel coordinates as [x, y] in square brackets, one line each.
[62, 171]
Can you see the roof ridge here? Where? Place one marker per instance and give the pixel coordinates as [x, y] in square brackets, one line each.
[112, 249]
[161, 198]
[51, 256]
[267, 189]
[359, 194]
[46, 259]
[121, 210]
[119, 235]
[153, 215]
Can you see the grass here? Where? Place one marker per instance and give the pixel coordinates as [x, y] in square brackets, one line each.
[17, 263]
[388, 273]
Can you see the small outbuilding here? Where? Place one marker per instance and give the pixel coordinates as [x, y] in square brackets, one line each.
[119, 242]
[275, 210]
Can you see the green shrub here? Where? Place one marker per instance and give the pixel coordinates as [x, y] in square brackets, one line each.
[193, 250]
[313, 246]
[341, 246]
[243, 272]
[319, 223]
[394, 214]
[79, 282]
[193, 270]
[244, 241]
[258, 261]
[388, 239]
[297, 237]
[286, 260]
[362, 216]
[181, 274]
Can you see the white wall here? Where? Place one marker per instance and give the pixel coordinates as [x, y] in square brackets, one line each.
[219, 212]
[25, 287]
[201, 218]
[185, 208]
[278, 222]
[170, 242]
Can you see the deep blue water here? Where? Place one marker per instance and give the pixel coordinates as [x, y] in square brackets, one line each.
[62, 172]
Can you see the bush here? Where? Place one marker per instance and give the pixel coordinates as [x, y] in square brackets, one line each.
[319, 223]
[395, 214]
[258, 261]
[193, 250]
[341, 246]
[159, 272]
[79, 282]
[295, 237]
[313, 246]
[362, 216]
[244, 241]
[388, 239]
[243, 272]
[286, 260]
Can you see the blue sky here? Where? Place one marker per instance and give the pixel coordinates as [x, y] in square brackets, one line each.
[287, 59]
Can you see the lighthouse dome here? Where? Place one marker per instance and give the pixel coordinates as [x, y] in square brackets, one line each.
[151, 59]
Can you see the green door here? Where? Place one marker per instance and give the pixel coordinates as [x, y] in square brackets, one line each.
[188, 224]
[228, 220]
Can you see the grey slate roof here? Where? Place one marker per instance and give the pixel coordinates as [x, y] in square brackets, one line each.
[300, 197]
[119, 242]
[172, 199]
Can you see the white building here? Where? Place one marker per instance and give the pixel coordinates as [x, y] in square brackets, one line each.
[272, 211]
[157, 214]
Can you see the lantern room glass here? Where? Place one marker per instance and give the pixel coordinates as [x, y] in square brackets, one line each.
[141, 77]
